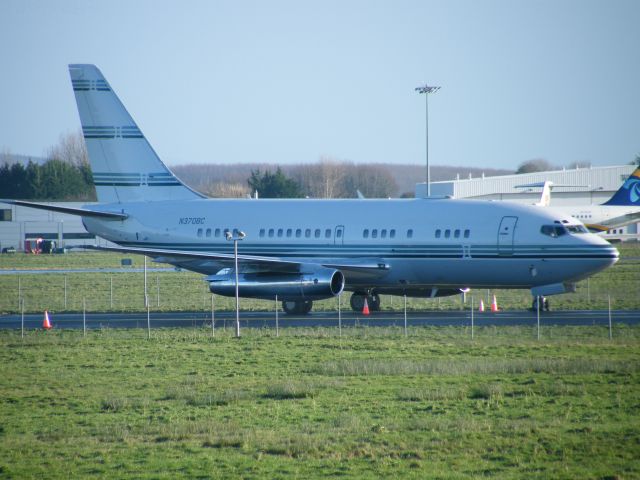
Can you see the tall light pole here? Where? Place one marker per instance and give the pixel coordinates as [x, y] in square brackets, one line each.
[426, 89]
[235, 237]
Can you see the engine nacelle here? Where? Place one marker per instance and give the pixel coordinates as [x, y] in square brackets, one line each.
[317, 285]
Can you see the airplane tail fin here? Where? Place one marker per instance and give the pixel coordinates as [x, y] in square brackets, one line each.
[125, 167]
[545, 197]
[629, 192]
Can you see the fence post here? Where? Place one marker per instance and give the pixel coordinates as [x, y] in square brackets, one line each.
[472, 317]
[213, 318]
[610, 325]
[148, 316]
[84, 317]
[277, 328]
[340, 315]
[111, 292]
[22, 316]
[538, 314]
[405, 316]
[146, 298]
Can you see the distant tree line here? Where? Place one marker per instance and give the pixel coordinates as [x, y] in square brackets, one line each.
[327, 178]
[65, 175]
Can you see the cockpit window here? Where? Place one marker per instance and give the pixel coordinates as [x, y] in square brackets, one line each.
[553, 230]
[577, 229]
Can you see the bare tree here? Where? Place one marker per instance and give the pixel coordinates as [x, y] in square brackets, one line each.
[582, 164]
[70, 149]
[6, 157]
[226, 190]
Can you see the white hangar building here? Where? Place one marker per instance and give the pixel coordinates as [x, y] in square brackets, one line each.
[22, 226]
[591, 186]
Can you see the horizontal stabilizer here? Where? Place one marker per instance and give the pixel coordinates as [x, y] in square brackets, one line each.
[83, 212]
[615, 222]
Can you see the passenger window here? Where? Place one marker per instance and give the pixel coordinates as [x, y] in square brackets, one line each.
[438, 233]
[235, 232]
[374, 233]
[365, 234]
[226, 231]
[208, 233]
[383, 233]
[339, 233]
[298, 232]
[261, 232]
[217, 232]
[327, 233]
[280, 232]
[271, 232]
[447, 233]
[456, 234]
[410, 233]
[307, 233]
[392, 233]
[289, 232]
[317, 233]
[467, 233]
[199, 232]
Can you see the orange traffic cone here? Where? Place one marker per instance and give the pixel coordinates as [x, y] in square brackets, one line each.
[481, 307]
[494, 305]
[47, 323]
[365, 309]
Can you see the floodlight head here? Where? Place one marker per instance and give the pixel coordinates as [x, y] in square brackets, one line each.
[241, 235]
[228, 235]
[427, 89]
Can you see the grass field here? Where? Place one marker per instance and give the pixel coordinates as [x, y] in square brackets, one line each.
[180, 291]
[310, 404]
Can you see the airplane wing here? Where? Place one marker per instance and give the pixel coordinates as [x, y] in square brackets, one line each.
[213, 262]
[615, 222]
[83, 212]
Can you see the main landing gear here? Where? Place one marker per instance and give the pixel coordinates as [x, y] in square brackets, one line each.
[357, 301]
[297, 307]
[544, 304]
[302, 307]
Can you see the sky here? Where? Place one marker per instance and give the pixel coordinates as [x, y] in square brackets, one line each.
[292, 82]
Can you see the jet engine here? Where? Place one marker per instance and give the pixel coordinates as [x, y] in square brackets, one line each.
[316, 285]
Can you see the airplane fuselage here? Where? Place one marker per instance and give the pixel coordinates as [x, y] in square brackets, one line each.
[418, 243]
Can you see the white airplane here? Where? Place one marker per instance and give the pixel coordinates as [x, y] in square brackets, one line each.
[304, 250]
[622, 209]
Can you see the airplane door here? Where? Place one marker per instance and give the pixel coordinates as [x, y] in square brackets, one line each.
[338, 237]
[505, 235]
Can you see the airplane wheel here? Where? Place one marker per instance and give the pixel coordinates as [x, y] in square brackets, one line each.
[357, 302]
[373, 301]
[544, 304]
[306, 307]
[297, 307]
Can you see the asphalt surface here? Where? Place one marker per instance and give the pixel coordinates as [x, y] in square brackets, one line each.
[320, 319]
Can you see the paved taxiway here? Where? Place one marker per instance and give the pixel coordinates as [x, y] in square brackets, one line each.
[321, 319]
